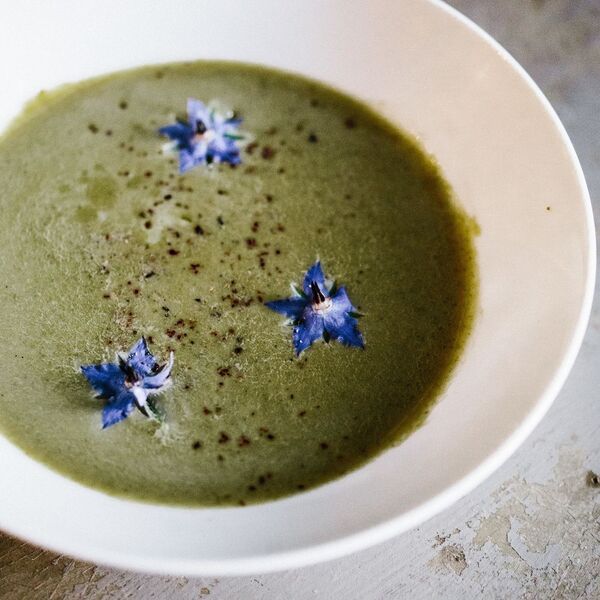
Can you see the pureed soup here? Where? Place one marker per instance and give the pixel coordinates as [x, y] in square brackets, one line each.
[104, 240]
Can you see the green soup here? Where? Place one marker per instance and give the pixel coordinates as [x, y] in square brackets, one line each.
[104, 241]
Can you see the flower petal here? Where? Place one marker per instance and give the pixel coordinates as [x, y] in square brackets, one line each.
[231, 156]
[107, 379]
[290, 307]
[345, 331]
[158, 380]
[188, 161]
[180, 132]
[141, 360]
[307, 332]
[222, 147]
[197, 111]
[341, 301]
[315, 273]
[140, 395]
[118, 409]
[342, 326]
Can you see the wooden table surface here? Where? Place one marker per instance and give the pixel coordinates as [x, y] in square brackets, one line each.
[533, 529]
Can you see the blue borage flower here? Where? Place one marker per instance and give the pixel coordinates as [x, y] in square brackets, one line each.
[129, 383]
[319, 310]
[207, 137]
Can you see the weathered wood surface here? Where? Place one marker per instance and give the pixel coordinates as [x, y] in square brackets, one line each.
[533, 529]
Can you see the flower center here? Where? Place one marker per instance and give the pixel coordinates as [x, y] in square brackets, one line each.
[200, 127]
[320, 303]
[131, 378]
[203, 133]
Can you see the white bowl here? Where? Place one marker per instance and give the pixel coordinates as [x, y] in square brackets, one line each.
[513, 168]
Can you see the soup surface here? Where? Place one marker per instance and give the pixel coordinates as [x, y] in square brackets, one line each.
[103, 241]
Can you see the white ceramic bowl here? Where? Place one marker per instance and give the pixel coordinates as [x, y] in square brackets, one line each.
[513, 168]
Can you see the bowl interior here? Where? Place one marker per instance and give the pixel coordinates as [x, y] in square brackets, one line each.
[513, 169]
